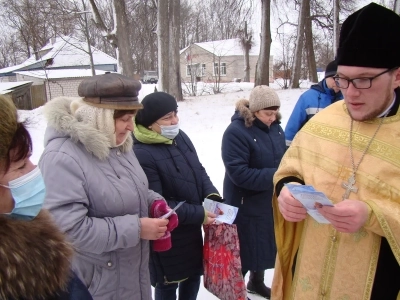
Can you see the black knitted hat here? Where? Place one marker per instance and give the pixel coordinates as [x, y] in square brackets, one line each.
[331, 69]
[370, 37]
[155, 106]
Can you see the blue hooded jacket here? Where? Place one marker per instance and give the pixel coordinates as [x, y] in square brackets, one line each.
[310, 102]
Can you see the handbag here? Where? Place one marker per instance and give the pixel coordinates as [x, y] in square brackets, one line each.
[221, 259]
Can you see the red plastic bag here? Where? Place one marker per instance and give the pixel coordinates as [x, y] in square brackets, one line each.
[221, 259]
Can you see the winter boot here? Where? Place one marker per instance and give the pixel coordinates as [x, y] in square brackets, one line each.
[256, 284]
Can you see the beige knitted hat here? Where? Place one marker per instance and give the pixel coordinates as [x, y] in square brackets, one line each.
[262, 96]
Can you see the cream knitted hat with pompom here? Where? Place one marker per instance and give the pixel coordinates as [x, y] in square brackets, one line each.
[262, 96]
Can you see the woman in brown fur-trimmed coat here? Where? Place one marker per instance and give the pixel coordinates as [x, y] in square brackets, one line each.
[34, 255]
[252, 148]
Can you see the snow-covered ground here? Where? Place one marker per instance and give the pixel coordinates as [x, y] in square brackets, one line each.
[204, 119]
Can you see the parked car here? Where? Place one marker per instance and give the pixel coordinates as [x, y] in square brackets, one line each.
[150, 77]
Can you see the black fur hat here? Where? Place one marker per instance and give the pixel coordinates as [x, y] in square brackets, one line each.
[370, 37]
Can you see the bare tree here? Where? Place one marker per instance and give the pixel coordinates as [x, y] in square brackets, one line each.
[262, 67]
[212, 20]
[246, 43]
[118, 36]
[299, 44]
[312, 68]
[143, 16]
[318, 32]
[194, 70]
[10, 53]
[32, 22]
[168, 47]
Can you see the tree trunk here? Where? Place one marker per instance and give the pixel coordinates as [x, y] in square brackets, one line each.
[124, 52]
[336, 25]
[175, 87]
[246, 44]
[118, 37]
[163, 44]
[396, 6]
[262, 71]
[299, 45]
[87, 36]
[310, 45]
[168, 16]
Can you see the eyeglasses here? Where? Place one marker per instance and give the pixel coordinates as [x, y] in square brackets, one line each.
[358, 83]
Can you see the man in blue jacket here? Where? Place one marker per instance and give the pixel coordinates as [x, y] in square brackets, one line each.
[312, 101]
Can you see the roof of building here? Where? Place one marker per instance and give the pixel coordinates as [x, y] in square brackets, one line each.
[229, 47]
[63, 52]
[60, 73]
[6, 87]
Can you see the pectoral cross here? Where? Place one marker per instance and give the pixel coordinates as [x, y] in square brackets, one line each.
[349, 187]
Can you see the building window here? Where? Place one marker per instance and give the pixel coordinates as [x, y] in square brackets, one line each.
[197, 70]
[219, 69]
[216, 69]
[203, 69]
[222, 69]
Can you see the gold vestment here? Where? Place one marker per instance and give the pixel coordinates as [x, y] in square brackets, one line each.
[330, 264]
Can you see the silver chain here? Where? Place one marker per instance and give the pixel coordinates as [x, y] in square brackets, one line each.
[355, 168]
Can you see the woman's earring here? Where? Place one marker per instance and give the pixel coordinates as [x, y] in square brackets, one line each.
[150, 127]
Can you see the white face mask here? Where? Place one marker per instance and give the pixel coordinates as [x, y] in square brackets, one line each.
[169, 131]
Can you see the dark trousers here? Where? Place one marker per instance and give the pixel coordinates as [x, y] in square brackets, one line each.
[188, 289]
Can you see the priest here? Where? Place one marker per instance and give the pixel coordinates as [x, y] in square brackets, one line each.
[350, 151]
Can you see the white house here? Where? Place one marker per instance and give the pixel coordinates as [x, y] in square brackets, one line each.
[58, 68]
[223, 58]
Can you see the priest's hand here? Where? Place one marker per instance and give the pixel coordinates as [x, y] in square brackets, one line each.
[291, 209]
[346, 216]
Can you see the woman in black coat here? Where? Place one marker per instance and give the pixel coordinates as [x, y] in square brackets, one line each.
[252, 148]
[173, 169]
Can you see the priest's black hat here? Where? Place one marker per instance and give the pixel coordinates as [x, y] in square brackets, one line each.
[370, 37]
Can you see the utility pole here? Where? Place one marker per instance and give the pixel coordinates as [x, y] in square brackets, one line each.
[84, 13]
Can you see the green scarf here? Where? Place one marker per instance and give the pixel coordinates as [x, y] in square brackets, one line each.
[147, 136]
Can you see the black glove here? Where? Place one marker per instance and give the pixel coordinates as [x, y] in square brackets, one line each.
[216, 198]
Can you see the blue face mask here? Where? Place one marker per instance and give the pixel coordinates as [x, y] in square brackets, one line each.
[170, 131]
[28, 192]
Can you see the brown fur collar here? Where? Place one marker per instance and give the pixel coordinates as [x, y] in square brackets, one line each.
[35, 258]
[242, 106]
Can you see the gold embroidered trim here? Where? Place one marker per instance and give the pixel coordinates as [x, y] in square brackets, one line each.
[299, 254]
[387, 230]
[329, 265]
[378, 148]
[376, 243]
